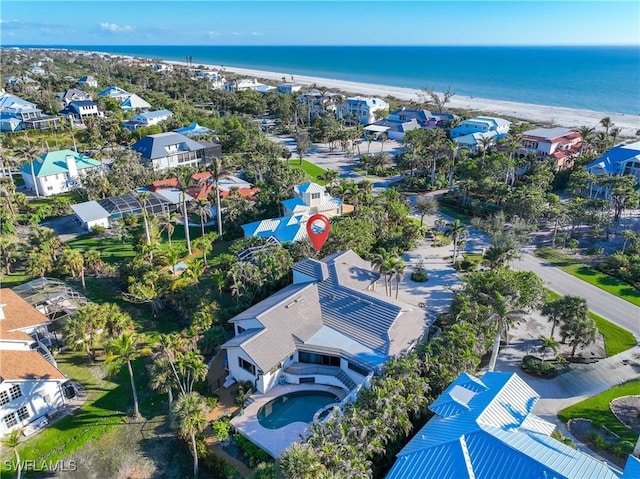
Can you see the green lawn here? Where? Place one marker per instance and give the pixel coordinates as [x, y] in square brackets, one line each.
[616, 339]
[591, 275]
[597, 409]
[112, 250]
[455, 214]
[313, 171]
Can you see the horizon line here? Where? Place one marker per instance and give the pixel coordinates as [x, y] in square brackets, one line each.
[533, 45]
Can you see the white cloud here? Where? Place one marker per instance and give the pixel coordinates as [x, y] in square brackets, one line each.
[237, 34]
[256, 34]
[113, 27]
[212, 34]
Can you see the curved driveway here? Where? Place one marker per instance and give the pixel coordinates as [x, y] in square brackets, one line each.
[615, 309]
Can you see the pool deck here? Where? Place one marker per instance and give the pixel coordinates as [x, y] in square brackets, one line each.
[275, 441]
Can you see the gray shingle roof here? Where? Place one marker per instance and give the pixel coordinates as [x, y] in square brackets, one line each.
[313, 268]
[155, 146]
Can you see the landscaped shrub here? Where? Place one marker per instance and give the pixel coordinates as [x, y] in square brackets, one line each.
[538, 367]
[253, 454]
[419, 277]
[595, 251]
[220, 428]
[244, 391]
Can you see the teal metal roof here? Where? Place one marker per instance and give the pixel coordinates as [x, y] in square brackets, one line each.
[55, 162]
[486, 438]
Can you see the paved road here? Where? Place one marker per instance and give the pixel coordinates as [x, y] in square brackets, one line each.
[605, 304]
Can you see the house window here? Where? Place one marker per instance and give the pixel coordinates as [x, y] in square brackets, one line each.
[49, 188]
[240, 329]
[4, 398]
[357, 369]
[313, 358]
[315, 196]
[10, 420]
[23, 413]
[15, 392]
[247, 366]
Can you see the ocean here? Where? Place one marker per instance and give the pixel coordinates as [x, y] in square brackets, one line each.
[603, 79]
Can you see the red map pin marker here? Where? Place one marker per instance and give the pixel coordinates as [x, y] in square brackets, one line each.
[318, 227]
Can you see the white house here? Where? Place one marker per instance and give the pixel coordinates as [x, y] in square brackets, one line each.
[88, 81]
[57, 172]
[329, 327]
[481, 124]
[78, 111]
[289, 87]
[72, 94]
[30, 382]
[310, 199]
[28, 114]
[149, 118]
[91, 214]
[559, 144]
[217, 81]
[318, 102]
[362, 110]
[246, 84]
[169, 150]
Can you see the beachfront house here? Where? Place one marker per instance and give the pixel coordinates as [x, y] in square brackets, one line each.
[78, 111]
[394, 129]
[364, 110]
[329, 327]
[163, 151]
[620, 160]
[560, 145]
[310, 198]
[318, 102]
[57, 172]
[31, 385]
[473, 133]
[25, 115]
[87, 81]
[216, 80]
[247, 84]
[289, 87]
[483, 428]
[148, 118]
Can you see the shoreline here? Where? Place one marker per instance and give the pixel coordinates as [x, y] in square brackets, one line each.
[538, 114]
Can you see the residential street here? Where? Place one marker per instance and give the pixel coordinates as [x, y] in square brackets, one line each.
[608, 306]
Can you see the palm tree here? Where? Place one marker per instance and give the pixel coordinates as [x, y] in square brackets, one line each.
[144, 198]
[398, 271]
[581, 331]
[300, 461]
[380, 262]
[162, 378]
[548, 343]
[484, 144]
[202, 208]
[329, 176]
[217, 170]
[12, 440]
[167, 223]
[607, 123]
[122, 351]
[586, 133]
[456, 231]
[426, 205]
[30, 153]
[205, 244]
[173, 256]
[501, 318]
[73, 261]
[189, 417]
[627, 235]
[184, 182]
[453, 148]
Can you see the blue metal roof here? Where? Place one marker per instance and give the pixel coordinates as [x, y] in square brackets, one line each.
[194, 129]
[155, 114]
[611, 159]
[485, 439]
[154, 146]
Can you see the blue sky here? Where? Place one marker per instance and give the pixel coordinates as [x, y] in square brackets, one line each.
[319, 22]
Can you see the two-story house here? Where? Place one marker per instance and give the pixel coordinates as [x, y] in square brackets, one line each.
[71, 95]
[562, 145]
[57, 172]
[126, 100]
[163, 151]
[310, 199]
[148, 118]
[31, 385]
[78, 111]
[329, 327]
[317, 103]
[289, 88]
[25, 115]
[363, 110]
[87, 81]
[620, 160]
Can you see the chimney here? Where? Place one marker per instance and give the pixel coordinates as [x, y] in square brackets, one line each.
[2, 316]
[71, 166]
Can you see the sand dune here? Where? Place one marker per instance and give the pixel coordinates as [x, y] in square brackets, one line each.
[539, 114]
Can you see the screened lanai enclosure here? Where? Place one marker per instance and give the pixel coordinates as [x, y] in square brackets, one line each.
[53, 298]
[130, 204]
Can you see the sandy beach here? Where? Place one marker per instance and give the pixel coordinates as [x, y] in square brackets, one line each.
[538, 114]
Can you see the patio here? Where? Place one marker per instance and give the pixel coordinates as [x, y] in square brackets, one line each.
[275, 441]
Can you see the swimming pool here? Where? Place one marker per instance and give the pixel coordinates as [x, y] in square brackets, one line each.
[296, 406]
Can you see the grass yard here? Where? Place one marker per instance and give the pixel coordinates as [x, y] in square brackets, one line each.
[312, 171]
[591, 275]
[455, 214]
[616, 339]
[597, 409]
[112, 250]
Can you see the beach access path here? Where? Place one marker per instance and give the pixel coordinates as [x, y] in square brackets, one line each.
[539, 114]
